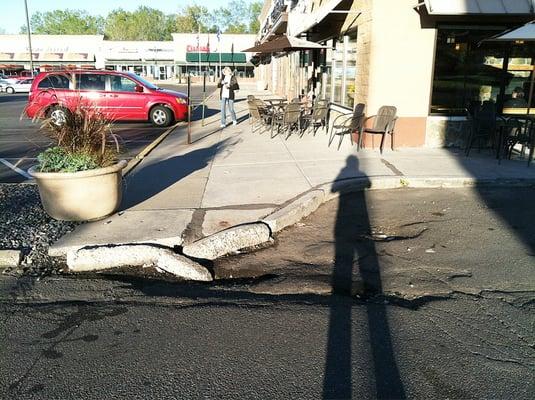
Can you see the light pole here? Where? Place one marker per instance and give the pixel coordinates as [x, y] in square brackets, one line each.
[29, 36]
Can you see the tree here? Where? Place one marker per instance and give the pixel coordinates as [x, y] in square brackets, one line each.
[145, 23]
[238, 17]
[65, 22]
[193, 18]
[254, 11]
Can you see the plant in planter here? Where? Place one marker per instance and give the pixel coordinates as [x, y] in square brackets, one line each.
[80, 177]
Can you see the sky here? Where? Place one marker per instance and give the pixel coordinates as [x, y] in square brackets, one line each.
[17, 17]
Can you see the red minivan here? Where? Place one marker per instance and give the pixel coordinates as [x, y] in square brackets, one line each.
[119, 96]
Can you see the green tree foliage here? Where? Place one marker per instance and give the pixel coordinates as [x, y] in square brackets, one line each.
[239, 16]
[65, 22]
[254, 11]
[192, 18]
[143, 24]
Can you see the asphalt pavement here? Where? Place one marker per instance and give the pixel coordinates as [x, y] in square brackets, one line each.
[466, 253]
[20, 141]
[265, 348]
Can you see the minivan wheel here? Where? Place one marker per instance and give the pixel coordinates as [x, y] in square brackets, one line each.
[161, 116]
[10, 90]
[58, 115]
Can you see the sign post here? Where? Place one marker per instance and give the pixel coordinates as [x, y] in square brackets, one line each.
[203, 95]
[29, 37]
[189, 109]
[219, 48]
[199, 48]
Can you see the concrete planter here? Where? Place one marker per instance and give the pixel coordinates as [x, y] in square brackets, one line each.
[80, 196]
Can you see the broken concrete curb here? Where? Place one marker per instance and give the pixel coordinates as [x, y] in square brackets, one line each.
[229, 241]
[104, 258]
[295, 211]
[10, 258]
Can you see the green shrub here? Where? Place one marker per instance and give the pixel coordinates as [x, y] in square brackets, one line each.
[57, 159]
[84, 140]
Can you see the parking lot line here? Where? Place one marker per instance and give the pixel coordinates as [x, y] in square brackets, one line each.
[15, 168]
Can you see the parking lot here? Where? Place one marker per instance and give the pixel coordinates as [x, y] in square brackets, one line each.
[21, 142]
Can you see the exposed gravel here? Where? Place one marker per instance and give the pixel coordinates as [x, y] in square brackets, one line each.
[24, 225]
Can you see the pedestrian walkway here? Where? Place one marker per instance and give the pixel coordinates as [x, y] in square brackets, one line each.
[182, 192]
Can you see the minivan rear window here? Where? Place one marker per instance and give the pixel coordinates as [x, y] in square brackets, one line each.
[54, 81]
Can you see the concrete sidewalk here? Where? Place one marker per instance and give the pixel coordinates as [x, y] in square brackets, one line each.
[180, 193]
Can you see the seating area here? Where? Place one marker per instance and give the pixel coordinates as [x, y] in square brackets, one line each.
[509, 135]
[278, 116]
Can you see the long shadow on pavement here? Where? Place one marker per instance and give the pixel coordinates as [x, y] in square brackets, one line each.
[499, 201]
[354, 246]
[150, 180]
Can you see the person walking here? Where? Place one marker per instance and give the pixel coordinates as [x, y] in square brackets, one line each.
[228, 85]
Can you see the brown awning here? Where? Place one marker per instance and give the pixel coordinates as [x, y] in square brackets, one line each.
[284, 43]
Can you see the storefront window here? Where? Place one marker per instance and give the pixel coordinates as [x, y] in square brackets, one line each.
[469, 71]
[327, 73]
[350, 69]
[340, 70]
[518, 80]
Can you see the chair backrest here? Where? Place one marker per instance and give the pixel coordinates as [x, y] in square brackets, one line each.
[486, 118]
[385, 116]
[358, 116]
[253, 110]
[250, 97]
[320, 110]
[260, 104]
[292, 112]
[296, 100]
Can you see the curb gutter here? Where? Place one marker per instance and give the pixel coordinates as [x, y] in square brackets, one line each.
[257, 233]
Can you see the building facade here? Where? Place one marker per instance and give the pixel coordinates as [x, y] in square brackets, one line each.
[428, 58]
[157, 60]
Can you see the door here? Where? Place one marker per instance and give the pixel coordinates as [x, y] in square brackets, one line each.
[91, 89]
[123, 100]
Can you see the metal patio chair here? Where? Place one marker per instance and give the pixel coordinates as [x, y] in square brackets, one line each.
[483, 126]
[288, 118]
[347, 124]
[317, 118]
[383, 124]
[259, 114]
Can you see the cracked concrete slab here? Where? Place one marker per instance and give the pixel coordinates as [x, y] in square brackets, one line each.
[161, 227]
[105, 258]
[229, 241]
[218, 220]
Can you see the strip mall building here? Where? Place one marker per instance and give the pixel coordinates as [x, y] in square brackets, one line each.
[186, 53]
[426, 58]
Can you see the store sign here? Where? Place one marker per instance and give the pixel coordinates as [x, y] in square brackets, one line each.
[202, 49]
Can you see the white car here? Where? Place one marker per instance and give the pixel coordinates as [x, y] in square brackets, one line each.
[3, 84]
[22, 86]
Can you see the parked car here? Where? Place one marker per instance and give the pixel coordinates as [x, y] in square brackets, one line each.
[118, 95]
[21, 86]
[3, 84]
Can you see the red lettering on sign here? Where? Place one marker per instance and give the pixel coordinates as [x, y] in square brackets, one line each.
[202, 49]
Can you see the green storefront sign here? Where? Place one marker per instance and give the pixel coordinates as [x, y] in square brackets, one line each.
[234, 58]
